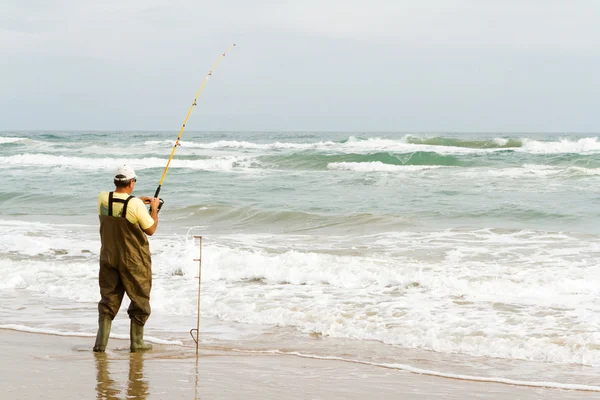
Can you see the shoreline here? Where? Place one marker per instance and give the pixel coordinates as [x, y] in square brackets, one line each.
[64, 367]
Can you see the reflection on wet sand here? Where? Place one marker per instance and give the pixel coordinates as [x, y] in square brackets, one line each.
[108, 389]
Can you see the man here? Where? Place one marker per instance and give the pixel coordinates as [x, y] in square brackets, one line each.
[125, 265]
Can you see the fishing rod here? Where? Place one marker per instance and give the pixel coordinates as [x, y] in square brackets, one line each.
[185, 122]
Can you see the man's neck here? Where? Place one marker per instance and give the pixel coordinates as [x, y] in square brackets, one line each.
[123, 190]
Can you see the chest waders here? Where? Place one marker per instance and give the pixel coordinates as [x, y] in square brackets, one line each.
[125, 267]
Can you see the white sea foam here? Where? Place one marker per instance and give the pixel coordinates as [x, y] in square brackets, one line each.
[377, 166]
[500, 141]
[401, 145]
[510, 293]
[234, 144]
[483, 292]
[60, 240]
[581, 146]
[68, 162]
[10, 139]
[533, 171]
[525, 171]
[351, 145]
[581, 171]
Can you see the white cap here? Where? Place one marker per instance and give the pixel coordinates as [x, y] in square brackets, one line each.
[124, 173]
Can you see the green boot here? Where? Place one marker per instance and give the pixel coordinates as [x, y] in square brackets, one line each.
[104, 325]
[136, 335]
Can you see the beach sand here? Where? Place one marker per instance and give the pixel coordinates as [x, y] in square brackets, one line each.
[39, 366]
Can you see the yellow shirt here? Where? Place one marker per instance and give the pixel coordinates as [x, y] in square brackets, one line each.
[137, 213]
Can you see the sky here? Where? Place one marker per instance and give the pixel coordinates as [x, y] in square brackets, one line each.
[377, 65]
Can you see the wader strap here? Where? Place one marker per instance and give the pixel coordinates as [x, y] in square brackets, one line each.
[110, 201]
[124, 210]
[110, 205]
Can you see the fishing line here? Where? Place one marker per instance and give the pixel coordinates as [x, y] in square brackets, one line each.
[185, 122]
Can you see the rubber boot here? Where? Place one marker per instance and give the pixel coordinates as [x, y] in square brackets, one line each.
[136, 335]
[104, 325]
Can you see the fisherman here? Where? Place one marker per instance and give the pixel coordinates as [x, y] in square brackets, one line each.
[125, 264]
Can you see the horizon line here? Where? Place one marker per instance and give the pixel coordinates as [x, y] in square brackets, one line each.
[300, 130]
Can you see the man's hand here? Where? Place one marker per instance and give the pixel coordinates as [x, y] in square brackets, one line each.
[145, 199]
[154, 203]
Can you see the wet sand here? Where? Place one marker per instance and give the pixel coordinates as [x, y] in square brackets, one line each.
[55, 367]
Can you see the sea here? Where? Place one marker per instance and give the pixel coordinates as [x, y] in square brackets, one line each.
[470, 255]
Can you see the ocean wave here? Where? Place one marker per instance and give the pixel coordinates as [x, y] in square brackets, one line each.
[496, 143]
[529, 171]
[352, 144]
[377, 166]
[407, 143]
[392, 291]
[245, 219]
[234, 144]
[355, 144]
[46, 160]
[580, 146]
[580, 171]
[541, 164]
[525, 170]
[5, 140]
[323, 161]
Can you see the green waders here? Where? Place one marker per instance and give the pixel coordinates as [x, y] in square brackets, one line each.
[125, 267]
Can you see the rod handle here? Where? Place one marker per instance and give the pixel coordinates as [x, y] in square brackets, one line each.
[160, 204]
[161, 200]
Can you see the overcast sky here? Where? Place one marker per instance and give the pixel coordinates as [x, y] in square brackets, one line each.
[376, 65]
